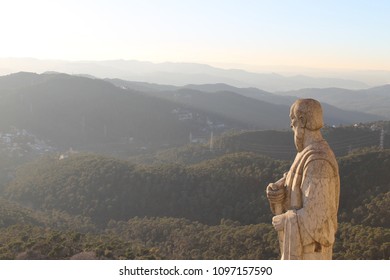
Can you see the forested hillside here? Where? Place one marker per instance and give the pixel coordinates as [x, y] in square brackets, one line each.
[275, 144]
[90, 114]
[217, 207]
[230, 187]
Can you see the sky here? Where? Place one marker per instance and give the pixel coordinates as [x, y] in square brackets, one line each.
[334, 34]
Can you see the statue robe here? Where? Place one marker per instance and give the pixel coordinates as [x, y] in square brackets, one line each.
[313, 188]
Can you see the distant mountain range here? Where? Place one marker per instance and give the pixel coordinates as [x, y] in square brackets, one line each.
[96, 115]
[179, 74]
[373, 100]
[333, 114]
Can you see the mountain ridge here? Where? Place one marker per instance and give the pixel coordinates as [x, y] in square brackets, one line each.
[374, 100]
[332, 112]
[178, 73]
[89, 113]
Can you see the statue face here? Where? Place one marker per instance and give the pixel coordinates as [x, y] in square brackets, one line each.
[298, 129]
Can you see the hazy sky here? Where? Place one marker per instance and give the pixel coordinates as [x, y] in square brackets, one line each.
[321, 34]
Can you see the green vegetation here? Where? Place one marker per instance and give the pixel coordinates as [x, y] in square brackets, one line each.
[32, 242]
[215, 209]
[183, 239]
[365, 181]
[357, 242]
[12, 213]
[229, 187]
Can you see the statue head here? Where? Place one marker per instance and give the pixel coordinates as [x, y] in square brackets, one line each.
[305, 114]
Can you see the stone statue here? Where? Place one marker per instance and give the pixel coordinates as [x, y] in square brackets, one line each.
[305, 201]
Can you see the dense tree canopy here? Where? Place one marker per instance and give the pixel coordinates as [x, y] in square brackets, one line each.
[230, 187]
[214, 209]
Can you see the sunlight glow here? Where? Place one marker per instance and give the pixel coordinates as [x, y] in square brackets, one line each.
[320, 34]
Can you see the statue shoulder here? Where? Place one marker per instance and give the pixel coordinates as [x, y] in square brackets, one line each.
[321, 165]
[321, 158]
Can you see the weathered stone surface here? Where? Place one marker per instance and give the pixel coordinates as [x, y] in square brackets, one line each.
[305, 201]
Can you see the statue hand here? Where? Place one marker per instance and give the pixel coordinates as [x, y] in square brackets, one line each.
[275, 193]
[278, 222]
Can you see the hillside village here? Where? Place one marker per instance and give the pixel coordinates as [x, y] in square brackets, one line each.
[204, 127]
[20, 142]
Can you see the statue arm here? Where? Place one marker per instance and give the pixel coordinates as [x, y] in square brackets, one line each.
[317, 218]
[276, 194]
